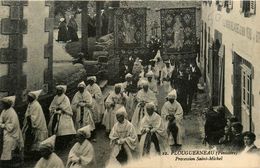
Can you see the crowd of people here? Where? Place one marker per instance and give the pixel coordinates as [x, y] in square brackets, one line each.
[68, 31]
[134, 123]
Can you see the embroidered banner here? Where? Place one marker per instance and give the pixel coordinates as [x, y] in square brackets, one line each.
[130, 30]
[178, 27]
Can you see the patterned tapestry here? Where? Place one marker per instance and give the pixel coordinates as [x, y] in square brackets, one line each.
[130, 30]
[178, 28]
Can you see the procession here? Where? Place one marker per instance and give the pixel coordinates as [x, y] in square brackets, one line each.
[137, 99]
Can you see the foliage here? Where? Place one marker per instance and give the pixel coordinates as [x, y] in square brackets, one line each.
[63, 6]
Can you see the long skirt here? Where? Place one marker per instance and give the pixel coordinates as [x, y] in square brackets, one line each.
[137, 117]
[109, 118]
[73, 36]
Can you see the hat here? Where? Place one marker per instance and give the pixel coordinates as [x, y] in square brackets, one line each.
[93, 78]
[82, 84]
[9, 100]
[150, 105]
[172, 94]
[167, 62]
[118, 85]
[128, 75]
[158, 55]
[86, 131]
[121, 111]
[63, 87]
[62, 19]
[149, 74]
[144, 82]
[48, 143]
[35, 94]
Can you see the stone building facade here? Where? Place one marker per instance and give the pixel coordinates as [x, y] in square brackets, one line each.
[230, 46]
[26, 46]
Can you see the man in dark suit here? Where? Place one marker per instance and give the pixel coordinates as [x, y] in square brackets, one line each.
[237, 144]
[249, 139]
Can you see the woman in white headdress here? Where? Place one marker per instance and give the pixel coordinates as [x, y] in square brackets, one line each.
[49, 159]
[82, 107]
[151, 82]
[114, 101]
[34, 126]
[172, 114]
[82, 154]
[12, 141]
[138, 67]
[123, 137]
[154, 135]
[166, 76]
[144, 96]
[97, 99]
[63, 32]
[158, 66]
[61, 122]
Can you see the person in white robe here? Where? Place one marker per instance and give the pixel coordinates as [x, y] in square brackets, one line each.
[61, 122]
[159, 65]
[49, 159]
[123, 137]
[82, 154]
[11, 141]
[154, 136]
[166, 76]
[138, 67]
[130, 90]
[115, 100]
[82, 107]
[98, 99]
[34, 126]
[151, 82]
[172, 114]
[144, 96]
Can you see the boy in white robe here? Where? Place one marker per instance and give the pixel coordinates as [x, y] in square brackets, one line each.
[11, 141]
[98, 99]
[61, 122]
[123, 137]
[169, 109]
[34, 123]
[151, 82]
[82, 106]
[114, 101]
[130, 90]
[82, 154]
[153, 133]
[49, 159]
[143, 97]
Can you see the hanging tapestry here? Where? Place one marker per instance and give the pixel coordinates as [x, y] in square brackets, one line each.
[130, 30]
[178, 27]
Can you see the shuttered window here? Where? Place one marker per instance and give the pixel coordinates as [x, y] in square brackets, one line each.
[248, 7]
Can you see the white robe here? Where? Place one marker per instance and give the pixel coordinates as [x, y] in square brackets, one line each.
[130, 105]
[83, 100]
[155, 121]
[66, 125]
[12, 137]
[176, 110]
[84, 152]
[53, 162]
[166, 74]
[113, 103]
[98, 102]
[139, 112]
[127, 132]
[34, 110]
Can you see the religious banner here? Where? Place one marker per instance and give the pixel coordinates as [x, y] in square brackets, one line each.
[178, 27]
[130, 31]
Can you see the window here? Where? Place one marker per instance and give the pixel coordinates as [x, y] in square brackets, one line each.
[228, 4]
[248, 7]
[246, 86]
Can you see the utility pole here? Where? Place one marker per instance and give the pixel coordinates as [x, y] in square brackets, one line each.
[84, 29]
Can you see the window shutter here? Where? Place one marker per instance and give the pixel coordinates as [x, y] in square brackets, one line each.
[230, 4]
[252, 6]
